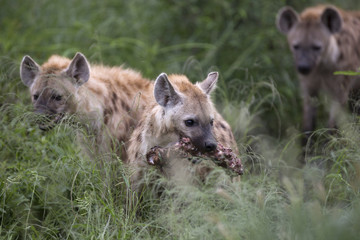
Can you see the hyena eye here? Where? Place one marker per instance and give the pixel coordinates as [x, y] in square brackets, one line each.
[296, 46]
[212, 122]
[56, 97]
[35, 96]
[189, 122]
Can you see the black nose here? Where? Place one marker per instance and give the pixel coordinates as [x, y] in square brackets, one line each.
[210, 146]
[304, 69]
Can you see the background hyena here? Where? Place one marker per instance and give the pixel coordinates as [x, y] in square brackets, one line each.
[323, 39]
[107, 98]
[178, 109]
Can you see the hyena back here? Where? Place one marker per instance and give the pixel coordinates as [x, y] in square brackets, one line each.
[178, 109]
[106, 96]
[323, 39]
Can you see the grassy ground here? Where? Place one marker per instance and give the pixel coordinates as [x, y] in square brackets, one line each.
[49, 189]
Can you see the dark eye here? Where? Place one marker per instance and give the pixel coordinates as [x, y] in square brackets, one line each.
[56, 97]
[296, 46]
[189, 122]
[35, 96]
[212, 122]
[316, 48]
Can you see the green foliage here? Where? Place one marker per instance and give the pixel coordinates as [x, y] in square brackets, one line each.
[348, 73]
[50, 188]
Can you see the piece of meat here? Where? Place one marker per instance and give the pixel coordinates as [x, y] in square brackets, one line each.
[222, 156]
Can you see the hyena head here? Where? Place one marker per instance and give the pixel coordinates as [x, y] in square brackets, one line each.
[53, 85]
[311, 35]
[187, 108]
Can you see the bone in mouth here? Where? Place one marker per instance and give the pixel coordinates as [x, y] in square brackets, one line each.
[222, 156]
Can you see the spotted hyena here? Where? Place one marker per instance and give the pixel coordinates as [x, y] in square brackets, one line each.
[323, 39]
[178, 109]
[106, 97]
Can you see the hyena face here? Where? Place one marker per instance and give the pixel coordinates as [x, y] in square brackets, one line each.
[187, 108]
[311, 40]
[52, 88]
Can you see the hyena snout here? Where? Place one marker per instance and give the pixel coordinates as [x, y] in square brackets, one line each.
[44, 110]
[210, 146]
[47, 117]
[304, 64]
[304, 69]
[205, 144]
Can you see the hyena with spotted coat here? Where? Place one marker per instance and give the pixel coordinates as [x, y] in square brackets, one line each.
[323, 39]
[109, 98]
[178, 109]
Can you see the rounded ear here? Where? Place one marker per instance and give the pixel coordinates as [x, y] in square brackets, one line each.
[164, 92]
[79, 69]
[286, 18]
[332, 20]
[28, 70]
[209, 84]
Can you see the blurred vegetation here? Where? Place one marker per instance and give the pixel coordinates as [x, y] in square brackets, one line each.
[50, 190]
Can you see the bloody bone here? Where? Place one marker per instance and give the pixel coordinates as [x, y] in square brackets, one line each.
[222, 156]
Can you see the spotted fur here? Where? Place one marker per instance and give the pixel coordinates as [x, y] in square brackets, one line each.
[109, 98]
[176, 100]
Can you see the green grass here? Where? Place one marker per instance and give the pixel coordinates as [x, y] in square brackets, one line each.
[50, 189]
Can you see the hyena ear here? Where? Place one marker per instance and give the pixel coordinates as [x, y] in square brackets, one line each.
[79, 69]
[286, 18]
[332, 20]
[164, 92]
[209, 84]
[28, 70]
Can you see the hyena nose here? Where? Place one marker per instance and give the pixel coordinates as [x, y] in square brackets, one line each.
[210, 146]
[304, 69]
[42, 110]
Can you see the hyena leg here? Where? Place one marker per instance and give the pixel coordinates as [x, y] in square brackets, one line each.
[354, 101]
[336, 108]
[334, 111]
[309, 118]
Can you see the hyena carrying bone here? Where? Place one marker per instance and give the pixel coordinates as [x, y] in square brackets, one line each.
[178, 109]
[107, 97]
[323, 39]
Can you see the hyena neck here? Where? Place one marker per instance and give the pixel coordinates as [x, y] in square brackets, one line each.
[332, 53]
[88, 104]
[159, 130]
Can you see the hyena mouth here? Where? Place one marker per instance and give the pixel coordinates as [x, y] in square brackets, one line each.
[47, 123]
[202, 147]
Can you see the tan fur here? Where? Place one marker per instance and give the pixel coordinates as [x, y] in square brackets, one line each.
[157, 128]
[111, 99]
[340, 51]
